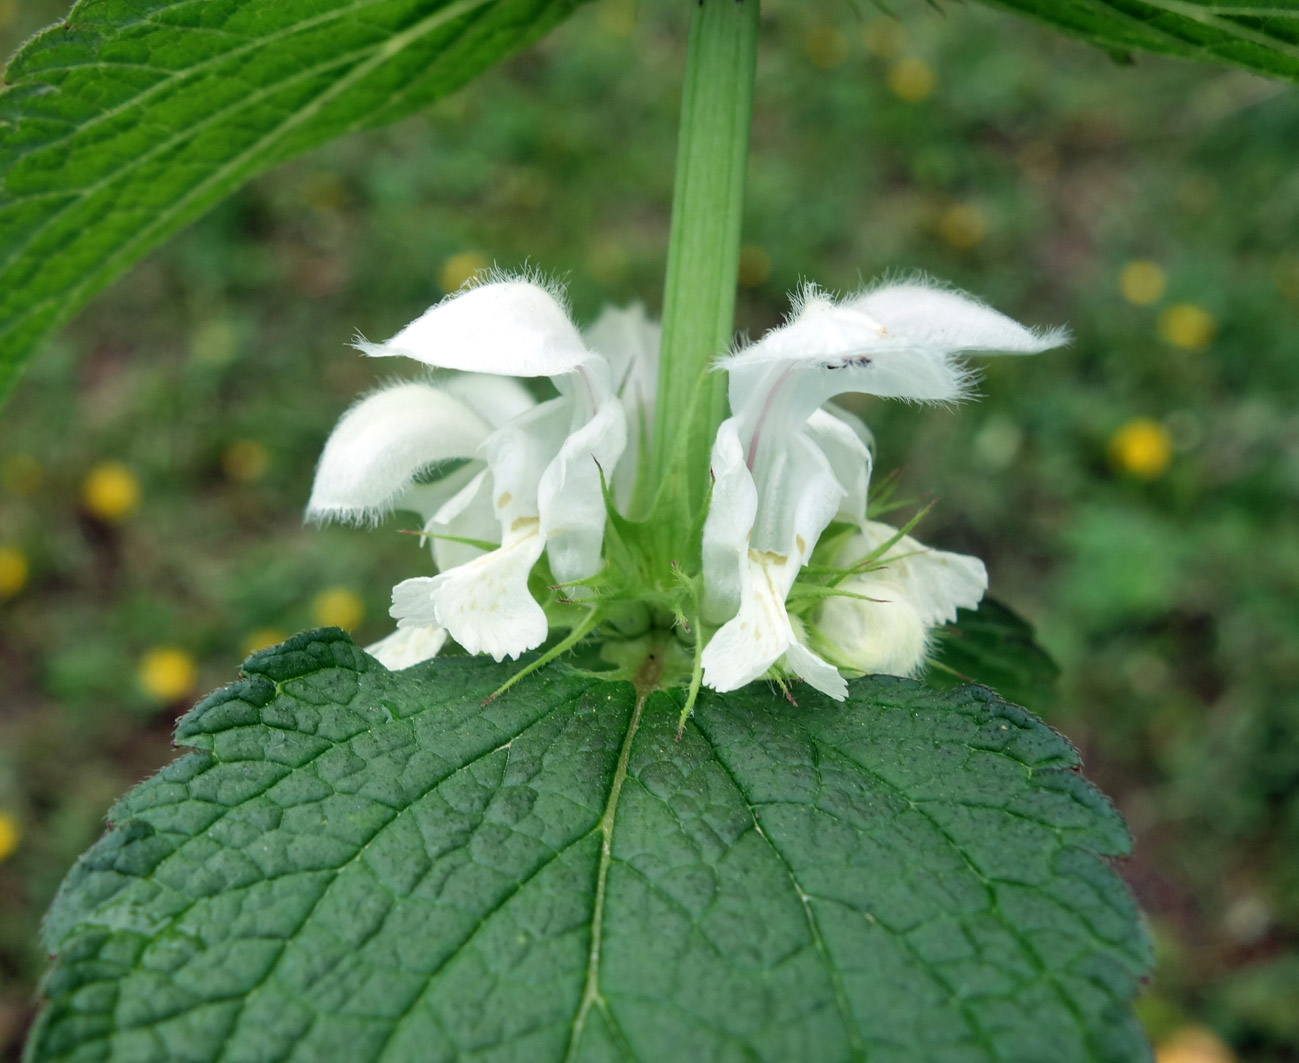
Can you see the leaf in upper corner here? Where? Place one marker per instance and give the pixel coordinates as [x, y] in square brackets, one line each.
[995, 646]
[1259, 35]
[132, 117]
[359, 865]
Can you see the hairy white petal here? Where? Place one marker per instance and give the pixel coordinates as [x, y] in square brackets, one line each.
[731, 511]
[509, 327]
[916, 312]
[485, 604]
[407, 646]
[382, 443]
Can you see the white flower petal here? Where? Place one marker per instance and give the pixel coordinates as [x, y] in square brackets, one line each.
[731, 511]
[799, 493]
[412, 603]
[629, 341]
[508, 327]
[761, 634]
[884, 636]
[815, 672]
[917, 312]
[518, 454]
[469, 514]
[485, 604]
[407, 646]
[746, 646]
[570, 500]
[849, 459]
[936, 582]
[382, 443]
[496, 399]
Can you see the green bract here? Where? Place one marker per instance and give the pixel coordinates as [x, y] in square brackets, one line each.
[363, 865]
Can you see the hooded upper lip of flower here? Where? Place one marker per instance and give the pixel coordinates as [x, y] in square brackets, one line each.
[532, 479]
[785, 464]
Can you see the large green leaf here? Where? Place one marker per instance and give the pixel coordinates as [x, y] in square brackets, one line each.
[995, 646]
[361, 865]
[1260, 35]
[134, 116]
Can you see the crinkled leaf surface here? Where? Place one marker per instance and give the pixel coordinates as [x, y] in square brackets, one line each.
[132, 117]
[995, 646]
[359, 865]
[1259, 35]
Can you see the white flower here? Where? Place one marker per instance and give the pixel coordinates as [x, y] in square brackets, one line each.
[886, 629]
[785, 464]
[533, 483]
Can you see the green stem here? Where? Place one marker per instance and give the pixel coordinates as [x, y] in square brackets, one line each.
[703, 249]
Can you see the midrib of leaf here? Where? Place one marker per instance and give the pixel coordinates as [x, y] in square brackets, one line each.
[1230, 27]
[127, 252]
[646, 684]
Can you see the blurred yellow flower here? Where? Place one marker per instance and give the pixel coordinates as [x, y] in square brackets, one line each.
[1142, 448]
[884, 36]
[962, 225]
[13, 571]
[110, 491]
[1194, 1044]
[1187, 326]
[459, 268]
[912, 79]
[261, 638]
[617, 18]
[167, 673]
[1142, 282]
[245, 460]
[755, 265]
[338, 607]
[10, 833]
[21, 475]
[826, 46]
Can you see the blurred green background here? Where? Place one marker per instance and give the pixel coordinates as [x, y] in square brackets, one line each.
[1134, 495]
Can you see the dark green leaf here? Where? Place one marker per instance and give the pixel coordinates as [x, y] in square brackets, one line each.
[1259, 35]
[357, 865]
[132, 117]
[996, 647]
